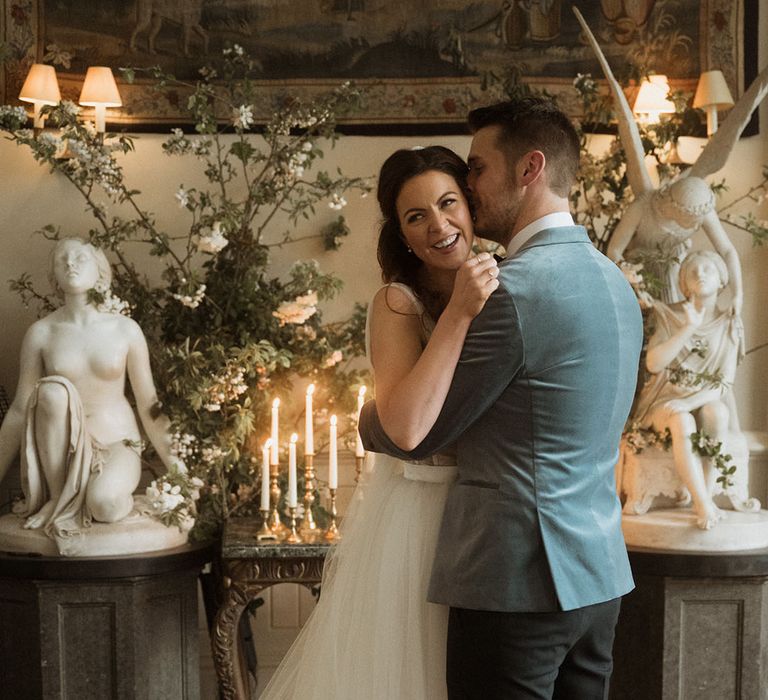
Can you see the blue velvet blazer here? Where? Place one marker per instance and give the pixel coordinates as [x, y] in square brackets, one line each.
[536, 408]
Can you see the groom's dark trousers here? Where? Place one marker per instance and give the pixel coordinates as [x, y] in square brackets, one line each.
[565, 655]
[532, 526]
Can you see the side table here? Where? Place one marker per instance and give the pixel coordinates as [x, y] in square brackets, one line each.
[696, 626]
[248, 567]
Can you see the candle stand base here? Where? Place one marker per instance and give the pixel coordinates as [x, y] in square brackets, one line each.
[293, 536]
[332, 533]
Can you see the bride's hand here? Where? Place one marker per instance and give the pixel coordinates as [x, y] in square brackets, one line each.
[476, 280]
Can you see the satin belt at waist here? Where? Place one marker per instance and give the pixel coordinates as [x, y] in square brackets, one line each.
[429, 472]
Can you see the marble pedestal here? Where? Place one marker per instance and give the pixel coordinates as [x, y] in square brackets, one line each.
[101, 627]
[695, 627]
[137, 533]
[674, 529]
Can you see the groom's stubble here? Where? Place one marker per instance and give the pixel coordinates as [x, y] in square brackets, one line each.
[500, 211]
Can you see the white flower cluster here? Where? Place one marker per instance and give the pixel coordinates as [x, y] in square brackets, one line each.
[235, 50]
[180, 144]
[84, 157]
[296, 165]
[631, 272]
[337, 202]
[243, 117]
[192, 300]
[182, 196]
[333, 359]
[211, 455]
[306, 333]
[183, 446]
[586, 80]
[70, 108]
[50, 139]
[227, 386]
[164, 497]
[297, 311]
[213, 242]
[13, 113]
[201, 147]
[637, 438]
[114, 305]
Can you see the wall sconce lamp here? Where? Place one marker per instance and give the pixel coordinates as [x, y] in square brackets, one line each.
[652, 99]
[712, 93]
[100, 91]
[40, 88]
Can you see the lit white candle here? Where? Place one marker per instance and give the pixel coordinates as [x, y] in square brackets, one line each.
[309, 430]
[359, 449]
[265, 475]
[292, 496]
[333, 463]
[275, 431]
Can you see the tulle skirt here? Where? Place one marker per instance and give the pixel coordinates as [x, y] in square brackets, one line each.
[373, 634]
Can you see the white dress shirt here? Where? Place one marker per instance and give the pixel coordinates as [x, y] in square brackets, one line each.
[554, 220]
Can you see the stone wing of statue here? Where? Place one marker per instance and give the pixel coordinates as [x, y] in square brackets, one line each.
[638, 177]
[716, 152]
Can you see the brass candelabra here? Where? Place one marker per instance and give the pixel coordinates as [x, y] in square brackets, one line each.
[308, 527]
[332, 533]
[275, 524]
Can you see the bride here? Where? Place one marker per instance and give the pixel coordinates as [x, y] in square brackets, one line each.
[373, 634]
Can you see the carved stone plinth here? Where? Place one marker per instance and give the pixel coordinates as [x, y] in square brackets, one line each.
[649, 479]
[694, 627]
[247, 569]
[100, 627]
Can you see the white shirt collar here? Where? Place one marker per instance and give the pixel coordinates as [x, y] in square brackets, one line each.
[554, 220]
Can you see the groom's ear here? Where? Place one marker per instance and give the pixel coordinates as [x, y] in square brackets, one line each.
[530, 167]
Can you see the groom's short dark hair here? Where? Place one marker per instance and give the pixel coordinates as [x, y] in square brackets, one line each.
[534, 123]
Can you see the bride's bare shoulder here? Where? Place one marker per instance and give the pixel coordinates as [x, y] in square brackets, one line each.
[396, 298]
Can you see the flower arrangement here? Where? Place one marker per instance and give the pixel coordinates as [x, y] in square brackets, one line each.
[225, 337]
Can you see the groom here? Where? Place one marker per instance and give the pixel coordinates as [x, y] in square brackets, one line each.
[530, 555]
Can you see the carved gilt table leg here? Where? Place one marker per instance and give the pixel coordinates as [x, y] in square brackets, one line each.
[232, 684]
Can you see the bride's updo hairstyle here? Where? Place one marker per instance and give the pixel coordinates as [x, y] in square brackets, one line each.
[397, 263]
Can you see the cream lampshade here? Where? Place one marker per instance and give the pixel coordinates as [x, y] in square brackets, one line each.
[712, 93]
[40, 88]
[652, 99]
[100, 91]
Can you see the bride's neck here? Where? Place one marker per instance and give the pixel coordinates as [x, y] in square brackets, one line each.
[439, 283]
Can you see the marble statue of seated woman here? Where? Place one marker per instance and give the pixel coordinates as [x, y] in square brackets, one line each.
[70, 419]
[692, 357]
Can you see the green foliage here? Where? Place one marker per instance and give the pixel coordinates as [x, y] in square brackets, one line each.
[711, 449]
[638, 438]
[225, 335]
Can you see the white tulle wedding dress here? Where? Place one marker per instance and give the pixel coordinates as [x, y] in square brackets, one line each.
[373, 634]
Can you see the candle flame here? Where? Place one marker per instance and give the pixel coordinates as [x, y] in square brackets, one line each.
[268, 443]
[294, 437]
[333, 420]
[275, 403]
[362, 391]
[310, 390]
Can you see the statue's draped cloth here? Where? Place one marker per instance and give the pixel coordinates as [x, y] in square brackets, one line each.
[70, 514]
